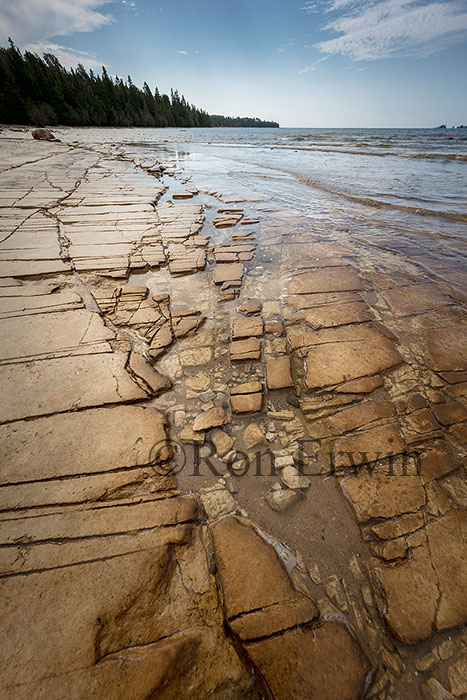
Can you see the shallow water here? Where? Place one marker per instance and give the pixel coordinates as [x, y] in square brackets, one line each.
[401, 190]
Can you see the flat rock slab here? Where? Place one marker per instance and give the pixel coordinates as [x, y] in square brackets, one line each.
[447, 349]
[85, 442]
[368, 446]
[340, 361]
[428, 591]
[49, 334]
[236, 546]
[247, 403]
[278, 373]
[245, 350]
[414, 299]
[382, 495]
[57, 385]
[351, 418]
[323, 281]
[226, 220]
[303, 663]
[247, 327]
[129, 625]
[332, 315]
[226, 272]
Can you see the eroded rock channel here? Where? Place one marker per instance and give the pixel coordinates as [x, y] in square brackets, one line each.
[233, 444]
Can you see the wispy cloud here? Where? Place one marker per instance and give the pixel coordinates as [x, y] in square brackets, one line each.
[34, 24]
[388, 28]
[307, 69]
[184, 53]
[67, 57]
[27, 21]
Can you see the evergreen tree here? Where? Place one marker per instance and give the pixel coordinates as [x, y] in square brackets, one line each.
[41, 91]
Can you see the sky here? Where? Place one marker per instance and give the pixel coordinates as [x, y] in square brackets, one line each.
[318, 63]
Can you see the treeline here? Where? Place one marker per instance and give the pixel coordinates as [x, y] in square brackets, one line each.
[41, 91]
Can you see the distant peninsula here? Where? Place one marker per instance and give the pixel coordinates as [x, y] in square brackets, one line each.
[41, 91]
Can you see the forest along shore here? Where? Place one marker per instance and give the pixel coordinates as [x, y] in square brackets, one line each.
[233, 443]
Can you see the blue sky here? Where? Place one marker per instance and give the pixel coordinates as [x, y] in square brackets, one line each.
[313, 63]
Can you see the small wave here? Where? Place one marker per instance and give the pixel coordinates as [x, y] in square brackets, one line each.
[378, 204]
[460, 157]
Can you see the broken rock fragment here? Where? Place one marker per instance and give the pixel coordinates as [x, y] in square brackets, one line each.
[212, 418]
[245, 350]
[278, 373]
[246, 398]
[251, 306]
[282, 499]
[226, 272]
[157, 382]
[247, 327]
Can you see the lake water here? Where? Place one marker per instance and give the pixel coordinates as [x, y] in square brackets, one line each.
[401, 189]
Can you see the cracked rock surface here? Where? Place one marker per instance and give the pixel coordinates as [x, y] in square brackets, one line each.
[232, 442]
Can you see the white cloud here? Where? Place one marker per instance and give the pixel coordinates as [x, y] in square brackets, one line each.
[184, 53]
[131, 4]
[375, 30]
[307, 69]
[67, 57]
[29, 21]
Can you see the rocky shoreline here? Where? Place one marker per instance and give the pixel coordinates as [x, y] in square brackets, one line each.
[233, 445]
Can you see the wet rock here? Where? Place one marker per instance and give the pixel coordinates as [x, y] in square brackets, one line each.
[383, 496]
[217, 501]
[278, 373]
[188, 435]
[183, 194]
[246, 398]
[228, 272]
[226, 220]
[449, 413]
[336, 315]
[222, 442]
[255, 609]
[365, 385]
[434, 690]
[252, 436]
[291, 477]
[301, 663]
[447, 349]
[414, 299]
[199, 382]
[198, 356]
[367, 446]
[282, 499]
[156, 382]
[281, 415]
[367, 353]
[42, 134]
[427, 590]
[399, 526]
[245, 350]
[351, 418]
[333, 280]
[458, 677]
[435, 461]
[247, 327]
[212, 418]
[251, 306]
